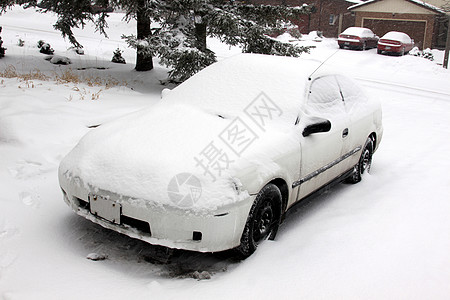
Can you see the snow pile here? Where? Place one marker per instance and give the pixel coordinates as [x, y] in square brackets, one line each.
[285, 37]
[313, 36]
[59, 60]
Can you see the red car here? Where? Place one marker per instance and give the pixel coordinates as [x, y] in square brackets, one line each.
[357, 38]
[395, 43]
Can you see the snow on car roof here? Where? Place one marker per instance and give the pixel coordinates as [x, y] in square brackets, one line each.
[358, 31]
[229, 86]
[397, 36]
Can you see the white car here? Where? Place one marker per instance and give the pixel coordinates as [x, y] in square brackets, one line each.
[219, 160]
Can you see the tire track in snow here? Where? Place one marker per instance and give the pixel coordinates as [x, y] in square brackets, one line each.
[398, 87]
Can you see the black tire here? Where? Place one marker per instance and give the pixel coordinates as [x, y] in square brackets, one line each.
[263, 219]
[341, 46]
[379, 51]
[364, 163]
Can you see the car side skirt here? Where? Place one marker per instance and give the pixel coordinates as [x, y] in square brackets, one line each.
[322, 189]
[324, 168]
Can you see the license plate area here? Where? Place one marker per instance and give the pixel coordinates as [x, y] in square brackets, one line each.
[347, 43]
[388, 48]
[105, 208]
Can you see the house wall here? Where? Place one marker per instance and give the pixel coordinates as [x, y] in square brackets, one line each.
[394, 6]
[420, 27]
[331, 17]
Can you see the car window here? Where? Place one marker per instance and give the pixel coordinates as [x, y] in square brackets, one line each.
[325, 97]
[352, 93]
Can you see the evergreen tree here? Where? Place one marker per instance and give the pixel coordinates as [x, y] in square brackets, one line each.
[180, 41]
[5, 4]
[184, 25]
[75, 14]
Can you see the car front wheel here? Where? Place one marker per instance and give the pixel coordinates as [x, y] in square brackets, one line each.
[364, 163]
[264, 217]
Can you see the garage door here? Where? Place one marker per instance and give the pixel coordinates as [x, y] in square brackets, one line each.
[415, 29]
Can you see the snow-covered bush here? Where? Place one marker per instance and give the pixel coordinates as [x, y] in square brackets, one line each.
[47, 49]
[21, 43]
[425, 53]
[40, 43]
[77, 50]
[290, 29]
[117, 57]
[428, 54]
[2, 49]
[59, 60]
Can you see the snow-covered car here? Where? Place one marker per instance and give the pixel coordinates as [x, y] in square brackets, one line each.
[357, 38]
[219, 160]
[395, 42]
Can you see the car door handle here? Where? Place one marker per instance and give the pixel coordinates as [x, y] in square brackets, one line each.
[345, 132]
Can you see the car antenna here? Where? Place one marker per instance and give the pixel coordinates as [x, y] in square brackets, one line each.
[309, 78]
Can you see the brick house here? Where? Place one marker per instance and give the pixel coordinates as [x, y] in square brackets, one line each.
[425, 22]
[331, 17]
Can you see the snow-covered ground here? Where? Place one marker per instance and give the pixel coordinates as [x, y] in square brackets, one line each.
[387, 237]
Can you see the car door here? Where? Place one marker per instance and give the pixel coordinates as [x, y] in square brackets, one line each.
[321, 152]
[356, 107]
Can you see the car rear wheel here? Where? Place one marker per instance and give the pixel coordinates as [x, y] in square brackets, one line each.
[379, 51]
[364, 163]
[263, 219]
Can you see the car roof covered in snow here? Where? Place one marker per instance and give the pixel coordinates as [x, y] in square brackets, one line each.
[397, 36]
[358, 31]
[229, 86]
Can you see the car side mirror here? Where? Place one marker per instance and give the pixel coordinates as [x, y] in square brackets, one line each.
[320, 126]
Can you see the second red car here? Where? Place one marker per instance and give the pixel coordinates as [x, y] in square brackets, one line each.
[395, 42]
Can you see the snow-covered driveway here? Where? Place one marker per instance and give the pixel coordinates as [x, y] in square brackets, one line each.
[387, 237]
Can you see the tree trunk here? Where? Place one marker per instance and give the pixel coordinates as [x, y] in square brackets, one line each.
[144, 62]
[200, 36]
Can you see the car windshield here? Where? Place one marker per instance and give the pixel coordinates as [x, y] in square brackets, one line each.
[234, 86]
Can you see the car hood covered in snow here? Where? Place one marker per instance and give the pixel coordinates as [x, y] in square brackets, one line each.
[217, 126]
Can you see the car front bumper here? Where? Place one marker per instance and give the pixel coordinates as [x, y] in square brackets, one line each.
[179, 228]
